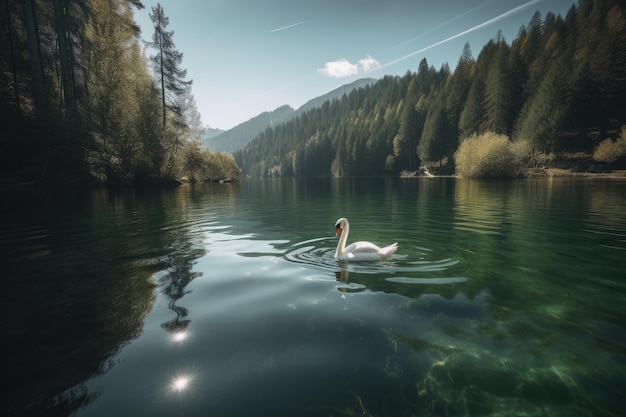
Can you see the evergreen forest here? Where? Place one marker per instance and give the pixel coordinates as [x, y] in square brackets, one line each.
[83, 100]
[558, 88]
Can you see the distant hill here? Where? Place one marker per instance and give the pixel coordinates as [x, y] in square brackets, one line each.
[334, 94]
[239, 136]
[209, 133]
[557, 89]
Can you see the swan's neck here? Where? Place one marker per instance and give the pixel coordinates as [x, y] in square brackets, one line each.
[341, 246]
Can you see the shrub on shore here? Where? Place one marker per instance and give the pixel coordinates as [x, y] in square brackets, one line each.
[490, 155]
[608, 150]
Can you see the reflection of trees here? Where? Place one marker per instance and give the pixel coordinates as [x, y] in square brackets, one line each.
[482, 207]
[76, 306]
[186, 244]
[79, 290]
[525, 243]
[606, 215]
[174, 285]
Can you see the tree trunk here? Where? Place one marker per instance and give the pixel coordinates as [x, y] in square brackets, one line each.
[34, 57]
[16, 91]
[60, 22]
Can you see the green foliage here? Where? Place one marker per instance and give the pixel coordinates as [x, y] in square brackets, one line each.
[81, 103]
[545, 112]
[560, 75]
[435, 135]
[353, 135]
[201, 165]
[499, 89]
[489, 155]
[166, 63]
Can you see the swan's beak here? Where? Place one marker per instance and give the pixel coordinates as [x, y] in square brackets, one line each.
[338, 231]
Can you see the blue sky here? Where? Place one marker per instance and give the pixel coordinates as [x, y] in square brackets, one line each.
[250, 56]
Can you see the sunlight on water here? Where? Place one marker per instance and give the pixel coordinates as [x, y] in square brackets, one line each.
[180, 383]
[503, 299]
[179, 337]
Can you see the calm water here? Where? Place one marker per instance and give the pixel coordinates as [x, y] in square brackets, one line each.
[504, 298]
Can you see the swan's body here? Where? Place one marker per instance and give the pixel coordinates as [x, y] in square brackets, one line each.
[359, 251]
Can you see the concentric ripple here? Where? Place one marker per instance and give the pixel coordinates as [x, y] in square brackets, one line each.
[313, 252]
[415, 268]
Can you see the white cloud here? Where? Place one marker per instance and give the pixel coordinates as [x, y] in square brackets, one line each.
[342, 68]
[369, 64]
[339, 69]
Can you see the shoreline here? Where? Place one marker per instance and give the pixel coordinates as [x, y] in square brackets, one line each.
[534, 173]
[566, 173]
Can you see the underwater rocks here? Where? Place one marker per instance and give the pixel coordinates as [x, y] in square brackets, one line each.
[467, 384]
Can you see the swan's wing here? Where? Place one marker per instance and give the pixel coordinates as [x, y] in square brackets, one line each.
[361, 257]
[367, 251]
[361, 247]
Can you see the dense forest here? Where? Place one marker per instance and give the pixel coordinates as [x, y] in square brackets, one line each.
[80, 102]
[559, 88]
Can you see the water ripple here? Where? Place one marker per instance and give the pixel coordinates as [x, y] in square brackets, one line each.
[307, 252]
[319, 252]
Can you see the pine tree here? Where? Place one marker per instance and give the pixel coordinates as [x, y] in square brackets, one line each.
[457, 89]
[498, 95]
[167, 65]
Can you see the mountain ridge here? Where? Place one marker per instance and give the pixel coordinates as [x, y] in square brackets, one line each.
[239, 136]
[518, 90]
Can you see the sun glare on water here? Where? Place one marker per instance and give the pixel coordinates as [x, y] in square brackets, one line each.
[179, 337]
[180, 383]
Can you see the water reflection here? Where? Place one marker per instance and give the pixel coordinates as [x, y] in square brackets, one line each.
[179, 336]
[499, 302]
[78, 301]
[181, 383]
[407, 270]
[482, 206]
[81, 266]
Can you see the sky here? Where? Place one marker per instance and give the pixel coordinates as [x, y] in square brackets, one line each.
[250, 56]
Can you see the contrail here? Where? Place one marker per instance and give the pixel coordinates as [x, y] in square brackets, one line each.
[447, 22]
[465, 32]
[287, 27]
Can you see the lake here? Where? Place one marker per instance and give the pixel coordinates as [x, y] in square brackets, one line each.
[504, 298]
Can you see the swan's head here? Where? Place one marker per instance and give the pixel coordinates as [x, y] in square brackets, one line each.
[340, 225]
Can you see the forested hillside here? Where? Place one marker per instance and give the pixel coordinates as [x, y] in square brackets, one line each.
[559, 86]
[239, 136]
[79, 103]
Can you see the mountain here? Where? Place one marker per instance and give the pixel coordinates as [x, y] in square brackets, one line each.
[239, 136]
[518, 90]
[210, 132]
[334, 94]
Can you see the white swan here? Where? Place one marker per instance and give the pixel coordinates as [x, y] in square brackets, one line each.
[359, 251]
